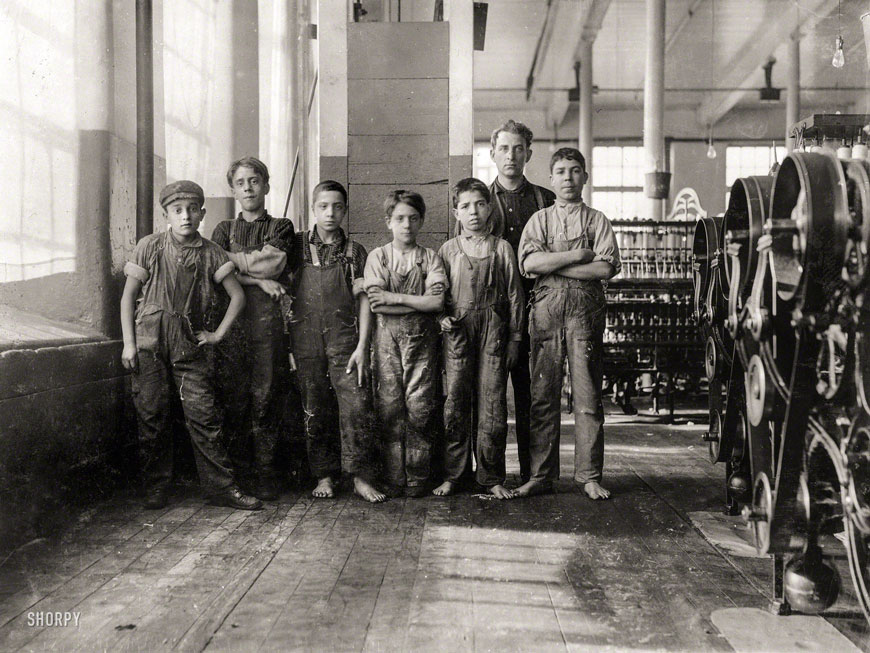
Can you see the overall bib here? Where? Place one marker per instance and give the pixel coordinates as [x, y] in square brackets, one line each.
[252, 368]
[170, 358]
[406, 367]
[475, 372]
[567, 319]
[325, 333]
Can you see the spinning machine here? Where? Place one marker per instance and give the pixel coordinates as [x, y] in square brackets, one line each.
[782, 299]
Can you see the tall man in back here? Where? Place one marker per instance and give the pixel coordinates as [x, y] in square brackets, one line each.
[514, 200]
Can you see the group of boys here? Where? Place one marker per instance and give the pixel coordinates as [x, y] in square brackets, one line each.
[319, 295]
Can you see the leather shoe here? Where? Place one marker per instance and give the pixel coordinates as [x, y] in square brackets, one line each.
[156, 498]
[233, 497]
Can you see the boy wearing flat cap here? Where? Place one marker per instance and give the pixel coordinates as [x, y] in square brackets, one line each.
[170, 320]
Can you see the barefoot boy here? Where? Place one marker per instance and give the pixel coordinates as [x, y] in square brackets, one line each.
[569, 249]
[330, 328]
[482, 331]
[252, 366]
[170, 320]
[405, 284]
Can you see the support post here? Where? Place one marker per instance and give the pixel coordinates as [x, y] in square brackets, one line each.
[585, 121]
[654, 98]
[793, 92]
[144, 119]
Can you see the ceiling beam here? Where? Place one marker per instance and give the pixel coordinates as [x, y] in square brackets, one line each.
[772, 31]
[690, 12]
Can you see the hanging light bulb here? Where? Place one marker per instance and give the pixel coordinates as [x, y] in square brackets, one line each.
[711, 151]
[839, 59]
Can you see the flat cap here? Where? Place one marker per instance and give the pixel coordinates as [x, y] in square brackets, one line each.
[181, 190]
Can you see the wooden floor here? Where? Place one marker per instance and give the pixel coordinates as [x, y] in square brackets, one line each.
[551, 573]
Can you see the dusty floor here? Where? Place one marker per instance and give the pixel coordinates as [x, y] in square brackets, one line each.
[556, 572]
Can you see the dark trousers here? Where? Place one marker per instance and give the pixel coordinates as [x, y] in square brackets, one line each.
[323, 381]
[549, 349]
[405, 368]
[190, 368]
[522, 386]
[475, 376]
[252, 373]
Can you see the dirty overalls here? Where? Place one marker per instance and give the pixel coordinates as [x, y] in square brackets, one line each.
[475, 368]
[325, 332]
[252, 367]
[177, 300]
[406, 366]
[567, 318]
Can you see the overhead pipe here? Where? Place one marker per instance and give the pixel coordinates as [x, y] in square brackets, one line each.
[144, 119]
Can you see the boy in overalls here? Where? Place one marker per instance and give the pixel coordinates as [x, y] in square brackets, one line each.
[252, 363]
[330, 328]
[482, 327]
[405, 284]
[171, 317]
[569, 249]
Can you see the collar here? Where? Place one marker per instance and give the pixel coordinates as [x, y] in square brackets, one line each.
[314, 237]
[571, 207]
[520, 189]
[172, 239]
[262, 218]
[470, 236]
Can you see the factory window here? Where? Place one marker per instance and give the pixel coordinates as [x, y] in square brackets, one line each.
[617, 178]
[483, 165]
[746, 160]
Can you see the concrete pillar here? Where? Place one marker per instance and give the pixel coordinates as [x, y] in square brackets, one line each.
[332, 19]
[459, 15]
[654, 98]
[793, 91]
[95, 290]
[586, 143]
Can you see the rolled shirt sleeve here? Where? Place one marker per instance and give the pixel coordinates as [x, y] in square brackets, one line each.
[139, 267]
[605, 248]
[436, 274]
[533, 240]
[375, 274]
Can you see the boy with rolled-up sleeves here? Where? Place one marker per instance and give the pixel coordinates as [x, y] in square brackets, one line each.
[569, 249]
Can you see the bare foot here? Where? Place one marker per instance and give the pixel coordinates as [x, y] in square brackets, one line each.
[325, 489]
[367, 491]
[501, 492]
[594, 491]
[444, 490]
[531, 488]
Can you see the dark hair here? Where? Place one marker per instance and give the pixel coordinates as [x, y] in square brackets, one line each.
[570, 154]
[326, 186]
[513, 127]
[248, 162]
[409, 197]
[467, 185]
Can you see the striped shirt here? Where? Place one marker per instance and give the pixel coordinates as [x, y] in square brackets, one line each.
[331, 252]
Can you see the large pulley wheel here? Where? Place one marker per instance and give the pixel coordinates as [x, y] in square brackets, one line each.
[856, 451]
[858, 193]
[760, 513]
[759, 392]
[711, 359]
[714, 439]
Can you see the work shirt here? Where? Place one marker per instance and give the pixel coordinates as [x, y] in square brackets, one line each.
[386, 258]
[505, 288]
[567, 226]
[511, 209]
[241, 235]
[329, 253]
[180, 280]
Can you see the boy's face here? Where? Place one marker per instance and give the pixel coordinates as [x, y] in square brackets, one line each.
[329, 210]
[472, 210]
[249, 189]
[567, 178]
[184, 216]
[405, 224]
[510, 154]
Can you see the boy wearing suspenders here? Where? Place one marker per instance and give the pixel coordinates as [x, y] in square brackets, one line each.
[330, 328]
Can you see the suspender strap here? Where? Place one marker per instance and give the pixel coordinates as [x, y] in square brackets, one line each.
[539, 197]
